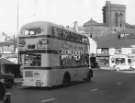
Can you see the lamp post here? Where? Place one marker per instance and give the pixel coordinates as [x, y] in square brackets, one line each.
[89, 49]
[17, 28]
[17, 17]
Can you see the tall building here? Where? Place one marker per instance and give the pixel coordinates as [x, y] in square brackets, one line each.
[113, 27]
[113, 35]
[114, 15]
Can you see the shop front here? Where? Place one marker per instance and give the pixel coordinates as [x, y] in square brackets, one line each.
[103, 61]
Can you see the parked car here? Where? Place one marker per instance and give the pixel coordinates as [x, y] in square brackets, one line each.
[122, 67]
[7, 80]
[132, 66]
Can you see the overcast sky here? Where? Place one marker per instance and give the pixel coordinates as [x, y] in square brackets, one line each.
[63, 12]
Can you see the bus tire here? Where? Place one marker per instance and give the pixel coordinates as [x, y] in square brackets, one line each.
[89, 75]
[66, 79]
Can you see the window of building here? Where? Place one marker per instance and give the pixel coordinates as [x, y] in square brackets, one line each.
[133, 51]
[118, 51]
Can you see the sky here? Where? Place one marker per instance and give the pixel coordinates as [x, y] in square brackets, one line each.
[63, 12]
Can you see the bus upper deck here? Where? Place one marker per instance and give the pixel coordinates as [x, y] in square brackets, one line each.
[51, 30]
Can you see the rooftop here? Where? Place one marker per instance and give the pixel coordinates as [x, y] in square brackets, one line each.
[113, 41]
[92, 22]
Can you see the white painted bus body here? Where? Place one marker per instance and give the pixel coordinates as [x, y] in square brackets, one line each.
[50, 78]
[51, 53]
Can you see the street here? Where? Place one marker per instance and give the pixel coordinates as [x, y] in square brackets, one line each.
[105, 87]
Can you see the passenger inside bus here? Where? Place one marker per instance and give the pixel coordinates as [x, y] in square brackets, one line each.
[32, 60]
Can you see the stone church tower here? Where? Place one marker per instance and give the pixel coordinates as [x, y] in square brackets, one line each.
[114, 15]
[114, 22]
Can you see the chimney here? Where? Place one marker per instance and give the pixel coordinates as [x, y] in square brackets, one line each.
[76, 26]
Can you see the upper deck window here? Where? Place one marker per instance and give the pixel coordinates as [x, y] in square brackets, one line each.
[64, 34]
[32, 31]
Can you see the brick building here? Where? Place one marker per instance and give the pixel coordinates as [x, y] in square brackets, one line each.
[114, 22]
[114, 33]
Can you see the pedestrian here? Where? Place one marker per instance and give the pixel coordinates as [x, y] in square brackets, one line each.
[2, 91]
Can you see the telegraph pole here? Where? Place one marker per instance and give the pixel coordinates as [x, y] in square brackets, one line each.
[17, 17]
[17, 27]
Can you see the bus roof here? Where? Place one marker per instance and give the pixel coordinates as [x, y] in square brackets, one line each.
[46, 28]
[37, 24]
[43, 25]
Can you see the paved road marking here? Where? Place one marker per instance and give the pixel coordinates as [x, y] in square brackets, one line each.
[129, 72]
[119, 83]
[48, 100]
[94, 89]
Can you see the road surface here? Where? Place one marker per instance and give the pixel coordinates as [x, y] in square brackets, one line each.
[105, 87]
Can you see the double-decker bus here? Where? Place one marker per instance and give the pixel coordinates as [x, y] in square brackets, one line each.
[52, 55]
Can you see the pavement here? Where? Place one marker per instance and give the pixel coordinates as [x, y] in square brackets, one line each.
[106, 86]
[128, 71]
[19, 80]
[122, 71]
[111, 69]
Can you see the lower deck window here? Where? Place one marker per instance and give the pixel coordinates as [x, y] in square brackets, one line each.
[32, 59]
[74, 60]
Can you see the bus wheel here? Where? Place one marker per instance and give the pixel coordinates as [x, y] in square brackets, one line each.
[89, 75]
[66, 79]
